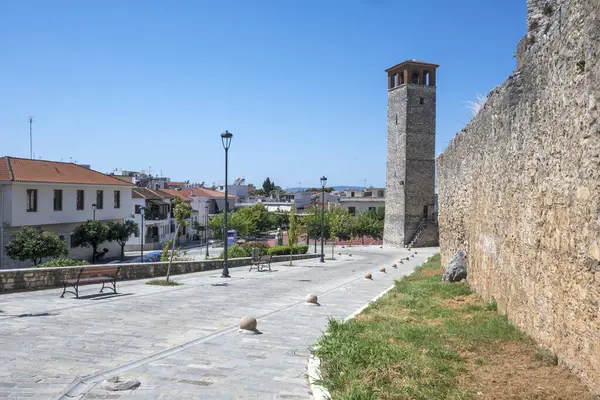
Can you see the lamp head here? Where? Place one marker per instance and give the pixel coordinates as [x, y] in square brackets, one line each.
[323, 182]
[226, 139]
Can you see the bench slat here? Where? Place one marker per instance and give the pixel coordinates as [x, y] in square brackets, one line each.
[100, 270]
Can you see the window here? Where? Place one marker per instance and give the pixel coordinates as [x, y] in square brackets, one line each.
[117, 199]
[57, 200]
[172, 228]
[80, 199]
[352, 210]
[138, 209]
[99, 199]
[31, 200]
[351, 194]
[137, 233]
[372, 209]
[380, 193]
[62, 237]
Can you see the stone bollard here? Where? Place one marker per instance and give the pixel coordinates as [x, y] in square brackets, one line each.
[311, 300]
[394, 265]
[401, 261]
[369, 276]
[115, 384]
[407, 258]
[382, 269]
[350, 254]
[413, 255]
[248, 326]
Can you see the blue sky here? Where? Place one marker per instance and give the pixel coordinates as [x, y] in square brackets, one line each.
[151, 84]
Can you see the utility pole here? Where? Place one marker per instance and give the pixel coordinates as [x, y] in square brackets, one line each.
[31, 137]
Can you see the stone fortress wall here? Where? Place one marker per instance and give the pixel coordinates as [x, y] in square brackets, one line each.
[519, 187]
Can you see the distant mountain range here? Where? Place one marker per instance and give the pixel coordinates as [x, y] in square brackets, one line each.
[336, 188]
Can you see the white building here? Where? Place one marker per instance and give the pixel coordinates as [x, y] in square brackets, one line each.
[205, 202]
[58, 197]
[357, 201]
[238, 188]
[159, 226]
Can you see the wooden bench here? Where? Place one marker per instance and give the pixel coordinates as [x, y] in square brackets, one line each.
[107, 275]
[261, 263]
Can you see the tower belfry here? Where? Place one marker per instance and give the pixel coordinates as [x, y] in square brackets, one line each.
[410, 176]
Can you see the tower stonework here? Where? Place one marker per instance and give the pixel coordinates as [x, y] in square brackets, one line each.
[410, 176]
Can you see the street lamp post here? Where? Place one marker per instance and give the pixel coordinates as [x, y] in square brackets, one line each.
[226, 139]
[94, 208]
[206, 228]
[142, 210]
[323, 183]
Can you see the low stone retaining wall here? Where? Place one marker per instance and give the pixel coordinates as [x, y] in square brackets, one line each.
[41, 278]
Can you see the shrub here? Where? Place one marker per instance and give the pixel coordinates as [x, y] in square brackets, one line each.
[285, 250]
[262, 247]
[62, 262]
[237, 251]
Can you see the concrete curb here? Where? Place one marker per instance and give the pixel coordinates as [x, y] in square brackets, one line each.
[313, 368]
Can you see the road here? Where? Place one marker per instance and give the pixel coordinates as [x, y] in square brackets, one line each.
[182, 342]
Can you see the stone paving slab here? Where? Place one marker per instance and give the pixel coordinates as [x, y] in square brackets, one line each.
[182, 342]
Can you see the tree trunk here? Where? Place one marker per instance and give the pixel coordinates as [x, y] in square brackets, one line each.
[363, 240]
[122, 251]
[332, 249]
[172, 253]
[94, 248]
[315, 245]
[291, 252]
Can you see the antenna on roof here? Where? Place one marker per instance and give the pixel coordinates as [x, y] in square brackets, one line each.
[31, 137]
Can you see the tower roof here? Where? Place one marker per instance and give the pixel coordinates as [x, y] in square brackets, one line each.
[412, 63]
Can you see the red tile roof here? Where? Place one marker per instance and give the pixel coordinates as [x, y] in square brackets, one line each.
[177, 193]
[26, 170]
[150, 194]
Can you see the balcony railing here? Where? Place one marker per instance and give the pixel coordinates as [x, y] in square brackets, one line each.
[154, 216]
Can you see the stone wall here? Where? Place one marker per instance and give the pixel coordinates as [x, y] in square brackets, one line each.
[519, 187]
[43, 278]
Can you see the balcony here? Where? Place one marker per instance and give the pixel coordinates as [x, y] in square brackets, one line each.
[155, 216]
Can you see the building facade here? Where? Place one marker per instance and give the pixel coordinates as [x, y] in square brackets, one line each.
[410, 176]
[57, 197]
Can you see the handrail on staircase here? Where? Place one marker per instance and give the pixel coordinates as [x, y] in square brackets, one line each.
[418, 230]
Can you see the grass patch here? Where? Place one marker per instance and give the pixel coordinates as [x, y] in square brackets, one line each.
[163, 282]
[420, 341]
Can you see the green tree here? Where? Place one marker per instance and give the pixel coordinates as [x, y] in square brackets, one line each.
[293, 230]
[341, 223]
[257, 217]
[91, 233]
[120, 232]
[363, 225]
[268, 186]
[35, 244]
[369, 224]
[181, 212]
[215, 223]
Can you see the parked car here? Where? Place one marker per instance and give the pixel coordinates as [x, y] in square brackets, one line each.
[153, 256]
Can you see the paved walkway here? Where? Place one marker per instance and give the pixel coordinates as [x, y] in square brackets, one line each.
[182, 342]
